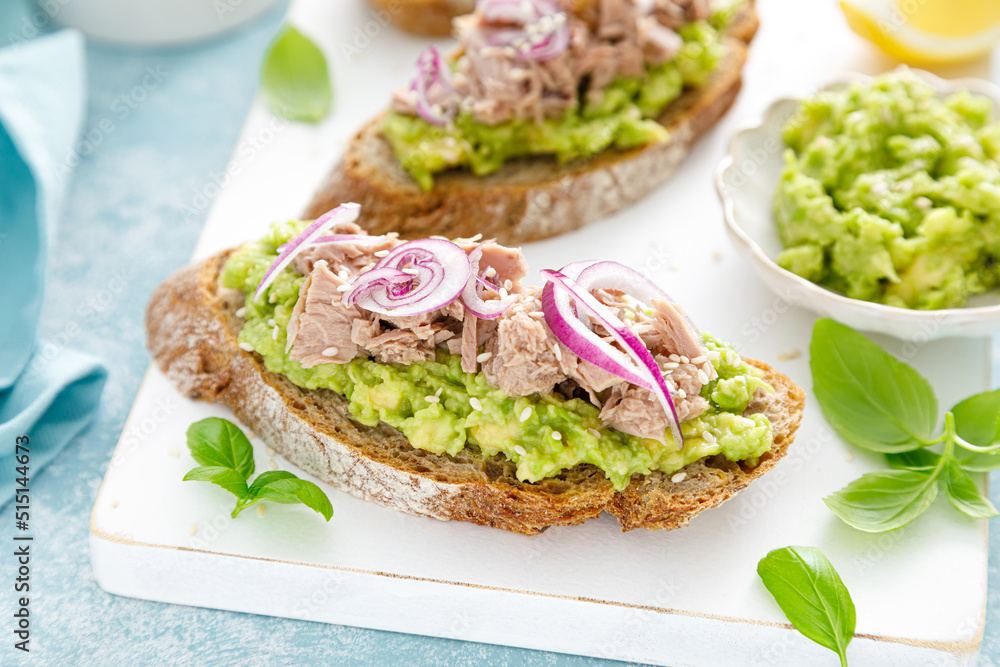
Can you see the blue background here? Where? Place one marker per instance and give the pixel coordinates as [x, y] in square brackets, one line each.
[124, 229]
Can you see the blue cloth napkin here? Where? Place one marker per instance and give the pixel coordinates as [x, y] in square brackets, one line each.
[47, 394]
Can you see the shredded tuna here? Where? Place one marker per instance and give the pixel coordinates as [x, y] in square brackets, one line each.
[400, 346]
[320, 332]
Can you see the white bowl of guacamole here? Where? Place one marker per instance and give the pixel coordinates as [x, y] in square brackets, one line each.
[875, 202]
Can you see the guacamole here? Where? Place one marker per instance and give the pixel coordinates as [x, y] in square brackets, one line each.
[395, 394]
[622, 118]
[892, 194]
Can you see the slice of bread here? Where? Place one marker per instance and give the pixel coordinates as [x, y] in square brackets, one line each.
[530, 198]
[424, 17]
[193, 328]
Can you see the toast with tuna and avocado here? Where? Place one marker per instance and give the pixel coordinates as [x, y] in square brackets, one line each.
[587, 109]
[426, 377]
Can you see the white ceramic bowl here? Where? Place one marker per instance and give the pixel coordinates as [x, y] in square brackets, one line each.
[746, 181]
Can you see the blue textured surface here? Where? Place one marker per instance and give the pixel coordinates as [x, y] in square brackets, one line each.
[122, 233]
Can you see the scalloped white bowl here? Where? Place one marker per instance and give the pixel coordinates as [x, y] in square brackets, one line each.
[746, 181]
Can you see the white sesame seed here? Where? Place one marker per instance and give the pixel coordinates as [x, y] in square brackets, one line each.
[508, 285]
[412, 272]
[438, 392]
[674, 357]
[678, 478]
[261, 509]
[320, 263]
[330, 352]
[708, 436]
[670, 365]
[713, 355]
[241, 312]
[484, 357]
[537, 314]
[520, 450]
[556, 351]
[698, 361]
[556, 435]
[849, 456]
[344, 274]
[477, 237]
[681, 393]
[594, 432]
[525, 415]
[268, 451]
[343, 288]
[381, 253]
[274, 332]
[702, 376]
[503, 293]
[272, 298]
[270, 322]
[922, 202]
[475, 403]
[272, 464]
[489, 272]
[453, 256]
[173, 451]
[114, 503]
[684, 360]
[246, 347]
[432, 399]
[192, 529]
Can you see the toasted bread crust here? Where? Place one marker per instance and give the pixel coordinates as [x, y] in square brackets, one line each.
[193, 329]
[424, 17]
[530, 198]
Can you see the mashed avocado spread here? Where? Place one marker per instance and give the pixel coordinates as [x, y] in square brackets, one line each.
[622, 118]
[892, 194]
[395, 394]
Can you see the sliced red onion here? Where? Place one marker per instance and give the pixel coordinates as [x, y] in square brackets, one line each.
[472, 295]
[612, 275]
[416, 277]
[543, 31]
[342, 214]
[432, 72]
[638, 367]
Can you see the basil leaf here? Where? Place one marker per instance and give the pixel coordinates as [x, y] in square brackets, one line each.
[218, 442]
[918, 459]
[812, 596]
[965, 496]
[884, 501]
[224, 476]
[294, 78]
[977, 418]
[283, 487]
[871, 398]
[975, 462]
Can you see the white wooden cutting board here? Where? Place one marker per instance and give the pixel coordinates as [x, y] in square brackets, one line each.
[687, 597]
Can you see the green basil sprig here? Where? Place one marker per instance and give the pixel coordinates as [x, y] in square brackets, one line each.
[879, 403]
[812, 596]
[294, 78]
[225, 458]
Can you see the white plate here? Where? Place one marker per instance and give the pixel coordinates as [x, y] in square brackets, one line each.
[689, 597]
[746, 181]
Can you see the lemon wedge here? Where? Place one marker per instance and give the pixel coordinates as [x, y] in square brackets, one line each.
[927, 31]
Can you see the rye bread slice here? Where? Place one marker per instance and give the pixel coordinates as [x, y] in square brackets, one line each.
[530, 198]
[193, 329]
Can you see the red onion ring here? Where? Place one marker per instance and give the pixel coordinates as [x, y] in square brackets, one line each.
[641, 369]
[432, 70]
[416, 277]
[344, 213]
[472, 295]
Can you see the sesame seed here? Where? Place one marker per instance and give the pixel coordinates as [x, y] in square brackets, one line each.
[344, 274]
[241, 312]
[556, 351]
[698, 361]
[272, 464]
[594, 432]
[320, 263]
[678, 478]
[246, 347]
[484, 357]
[114, 503]
[674, 357]
[681, 393]
[173, 451]
[922, 202]
[713, 355]
[343, 288]
[708, 436]
[475, 403]
[520, 450]
[192, 529]
[260, 510]
[330, 352]
[453, 256]
[270, 322]
[268, 451]
[490, 272]
[508, 285]
[525, 415]
[849, 456]
[684, 360]
[412, 272]
[477, 237]
[670, 365]
[788, 356]
[556, 435]
[438, 392]
[717, 255]
[702, 376]
[432, 399]
[272, 298]
[274, 332]
[537, 314]
[381, 253]
[503, 293]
